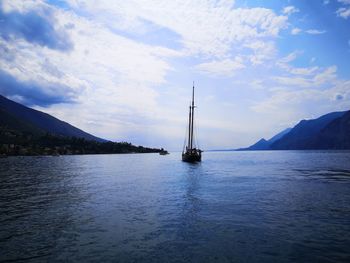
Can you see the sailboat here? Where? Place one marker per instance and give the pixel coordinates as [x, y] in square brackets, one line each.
[190, 153]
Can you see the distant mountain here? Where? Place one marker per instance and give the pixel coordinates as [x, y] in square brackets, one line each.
[304, 134]
[330, 131]
[279, 135]
[20, 117]
[336, 135]
[263, 144]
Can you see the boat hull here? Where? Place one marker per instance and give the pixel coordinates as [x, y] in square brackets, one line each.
[191, 157]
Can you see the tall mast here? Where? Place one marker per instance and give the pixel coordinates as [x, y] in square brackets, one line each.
[192, 116]
[189, 129]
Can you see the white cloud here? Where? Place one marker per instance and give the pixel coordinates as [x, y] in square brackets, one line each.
[345, 2]
[204, 27]
[343, 12]
[288, 10]
[295, 31]
[226, 67]
[293, 81]
[20, 6]
[308, 77]
[283, 63]
[285, 99]
[315, 31]
[294, 101]
[262, 51]
[290, 57]
[303, 71]
[326, 2]
[325, 76]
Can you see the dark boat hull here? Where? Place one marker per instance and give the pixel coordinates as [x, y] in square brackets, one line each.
[191, 157]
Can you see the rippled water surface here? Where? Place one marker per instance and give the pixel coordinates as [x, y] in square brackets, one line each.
[289, 206]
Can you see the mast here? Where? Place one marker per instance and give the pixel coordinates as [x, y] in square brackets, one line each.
[192, 115]
[189, 129]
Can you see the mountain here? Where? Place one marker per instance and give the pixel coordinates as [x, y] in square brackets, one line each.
[279, 135]
[18, 116]
[263, 144]
[304, 134]
[12, 122]
[336, 135]
[24, 131]
[330, 131]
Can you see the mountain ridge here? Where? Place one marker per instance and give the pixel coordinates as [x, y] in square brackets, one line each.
[264, 144]
[44, 121]
[25, 131]
[300, 135]
[329, 131]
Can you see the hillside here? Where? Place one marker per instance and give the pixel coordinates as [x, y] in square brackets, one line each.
[330, 131]
[24, 131]
[263, 144]
[304, 132]
[40, 120]
[336, 135]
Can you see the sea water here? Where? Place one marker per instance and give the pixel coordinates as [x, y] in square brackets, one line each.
[265, 206]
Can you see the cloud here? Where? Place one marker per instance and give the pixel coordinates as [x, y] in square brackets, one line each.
[226, 67]
[326, 2]
[343, 12]
[206, 27]
[339, 97]
[311, 77]
[345, 2]
[283, 63]
[288, 10]
[315, 31]
[293, 81]
[290, 57]
[6, 53]
[336, 97]
[31, 93]
[325, 76]
[34, 27]
[303, 71]
[285, 99]
[295, 31]
[262, 51]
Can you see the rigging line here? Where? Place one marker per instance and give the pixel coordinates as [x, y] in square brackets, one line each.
[196, 134]
[184, 145]
[188, 129]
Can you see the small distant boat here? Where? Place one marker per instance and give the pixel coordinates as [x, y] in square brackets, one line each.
[191, 154]
[163, 152]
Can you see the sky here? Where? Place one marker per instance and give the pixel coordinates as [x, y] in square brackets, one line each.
[123, 70]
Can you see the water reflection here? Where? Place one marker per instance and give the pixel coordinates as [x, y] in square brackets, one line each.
[191, 201]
